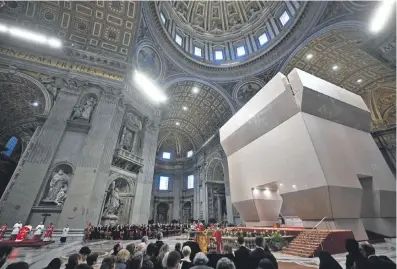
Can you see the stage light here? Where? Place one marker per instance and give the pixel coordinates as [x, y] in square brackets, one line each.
[184, 108]
[335, 67]
[294, 186]
[359, 80]
[195, 90]
[3, 28]
[21, 33]
[309, 56]
[382, 14]
[35, 103]
[177, 123]
[149, 88]
[55, 43]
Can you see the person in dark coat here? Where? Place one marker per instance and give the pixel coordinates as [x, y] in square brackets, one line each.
[261, 251]
[194, 247]
[355, 259]
[327, 261]
[368, 251]
[242, 254]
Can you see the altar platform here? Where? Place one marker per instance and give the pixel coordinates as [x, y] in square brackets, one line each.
[25, 243]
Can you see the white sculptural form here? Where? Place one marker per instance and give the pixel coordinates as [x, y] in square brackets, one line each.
[113, 203]
[84, 111]
[57, 185]
[61, 196]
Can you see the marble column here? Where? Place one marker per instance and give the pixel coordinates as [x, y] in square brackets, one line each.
[141, 210]
[196, 196]
[27, 180]
[86, 192]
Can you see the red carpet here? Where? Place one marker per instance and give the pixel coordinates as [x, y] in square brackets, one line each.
[25, 243]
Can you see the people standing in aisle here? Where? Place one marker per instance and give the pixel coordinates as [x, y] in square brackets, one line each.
[64, 235]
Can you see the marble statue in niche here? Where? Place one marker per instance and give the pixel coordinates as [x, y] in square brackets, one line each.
[84, 111]
[127, 139]
[58, 188]
[113, 202]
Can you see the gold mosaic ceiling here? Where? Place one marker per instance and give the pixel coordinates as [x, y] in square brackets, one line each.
[357, 71]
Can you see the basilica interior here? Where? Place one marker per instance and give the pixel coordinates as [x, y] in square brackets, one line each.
[111, 110]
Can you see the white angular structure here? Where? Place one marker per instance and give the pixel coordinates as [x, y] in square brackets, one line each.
[302, 146]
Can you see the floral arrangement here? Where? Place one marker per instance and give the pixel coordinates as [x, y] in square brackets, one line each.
[276, 241]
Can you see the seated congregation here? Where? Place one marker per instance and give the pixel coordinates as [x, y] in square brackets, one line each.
[159, 255]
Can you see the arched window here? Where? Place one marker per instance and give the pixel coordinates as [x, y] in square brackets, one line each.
[10, 146]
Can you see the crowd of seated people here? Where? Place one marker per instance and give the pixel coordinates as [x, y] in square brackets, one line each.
[133, 232]
[159, 255]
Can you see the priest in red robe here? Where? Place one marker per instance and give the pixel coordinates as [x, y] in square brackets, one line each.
[23, 233]
[48, 233]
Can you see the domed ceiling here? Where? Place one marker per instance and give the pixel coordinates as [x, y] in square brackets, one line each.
[220, 40]
[226, 32]
[337, 57]
[193, 114]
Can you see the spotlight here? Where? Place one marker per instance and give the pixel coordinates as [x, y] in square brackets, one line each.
[149, 88]
[184, 108]
[294, 186]
[53, 42]
[177, 123]
[335, 67]
[382, 14]
[309, 56]
[195, 90]
[21, 33]
[359, 80]
[3, 28]
[35, 103]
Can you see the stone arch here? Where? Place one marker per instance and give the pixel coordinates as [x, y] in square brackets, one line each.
[319, 32]
[214, 166]
[129, 182]
[218, 89]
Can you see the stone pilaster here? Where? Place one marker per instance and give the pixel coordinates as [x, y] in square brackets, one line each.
[176, 192]
[141, 210]
[86, 192]
[26, 182]
[229, 206]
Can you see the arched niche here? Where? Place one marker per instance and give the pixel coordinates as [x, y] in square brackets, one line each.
[162, 212]
[125, 188]
[187, 213]
[58, 180]
[215, 178]
[85, 107]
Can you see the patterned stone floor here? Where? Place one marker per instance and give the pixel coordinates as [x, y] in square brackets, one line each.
[38, 258]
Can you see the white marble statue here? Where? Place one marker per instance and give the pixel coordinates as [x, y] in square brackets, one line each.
[57, 182]
[39, 229]
[87, 108]
[84, 111]
[113, 204]
[17, 226]
[61, 196]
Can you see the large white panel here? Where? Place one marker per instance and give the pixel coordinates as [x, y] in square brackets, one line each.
[285, 155]
[345, 152]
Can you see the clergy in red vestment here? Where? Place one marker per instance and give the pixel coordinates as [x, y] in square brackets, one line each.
[218, 237]
[200, 227]
[23, 233]
[48, 233]
[3, 230]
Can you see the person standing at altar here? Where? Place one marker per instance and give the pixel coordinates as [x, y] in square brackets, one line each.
[201, 227]
[48, 233]
[3, 230]
[23, 233]
[15, 231]
[39, 231]
[64, 235]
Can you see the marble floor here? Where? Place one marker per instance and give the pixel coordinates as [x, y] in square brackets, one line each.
[38, 258]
